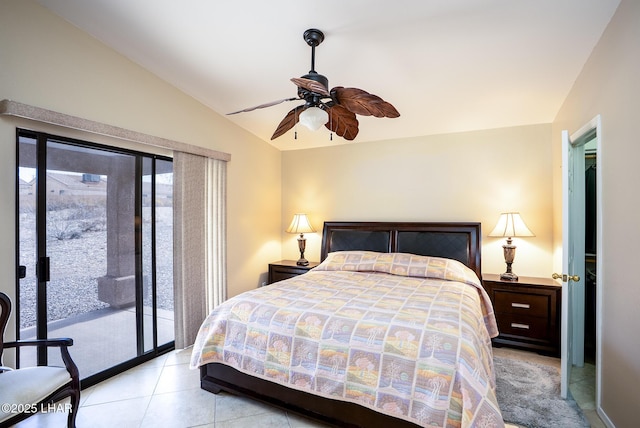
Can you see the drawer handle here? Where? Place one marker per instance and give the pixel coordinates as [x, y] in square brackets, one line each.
[521, 305]
[522, 326]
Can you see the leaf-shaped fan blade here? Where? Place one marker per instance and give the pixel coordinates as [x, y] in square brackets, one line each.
[272, 103]
[342, 122]
[288, 122]
[363, 103]
[311, 85]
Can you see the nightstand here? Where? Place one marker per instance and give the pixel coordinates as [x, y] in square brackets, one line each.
[287, 269]
[527, 312]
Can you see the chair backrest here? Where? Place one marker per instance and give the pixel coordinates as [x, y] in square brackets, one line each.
[5, 311]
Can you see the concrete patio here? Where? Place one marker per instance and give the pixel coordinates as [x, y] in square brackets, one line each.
[102, 338]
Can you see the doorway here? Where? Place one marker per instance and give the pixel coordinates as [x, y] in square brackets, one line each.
[94, 245]
[591, 251]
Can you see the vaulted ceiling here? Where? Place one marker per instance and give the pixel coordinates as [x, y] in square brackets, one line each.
[446, 65]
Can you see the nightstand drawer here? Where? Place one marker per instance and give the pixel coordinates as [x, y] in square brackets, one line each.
[523, 326]
[517, 302]
[278, 275]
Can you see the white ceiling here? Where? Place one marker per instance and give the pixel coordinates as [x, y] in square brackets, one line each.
[446, 65]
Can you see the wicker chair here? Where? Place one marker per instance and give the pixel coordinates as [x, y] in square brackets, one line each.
[25, 391]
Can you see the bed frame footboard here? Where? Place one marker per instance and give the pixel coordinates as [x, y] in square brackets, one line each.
[216, 377]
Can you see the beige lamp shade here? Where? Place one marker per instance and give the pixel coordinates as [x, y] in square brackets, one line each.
[300, 224]
[510, 225]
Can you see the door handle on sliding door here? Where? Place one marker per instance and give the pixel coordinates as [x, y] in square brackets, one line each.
[43, 269]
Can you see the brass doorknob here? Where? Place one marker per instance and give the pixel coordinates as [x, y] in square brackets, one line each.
[565, 277]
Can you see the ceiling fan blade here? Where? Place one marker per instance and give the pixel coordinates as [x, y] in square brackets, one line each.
[363, 103]
[342, 121]
[311, 85]
[288, 122]
[272, 103]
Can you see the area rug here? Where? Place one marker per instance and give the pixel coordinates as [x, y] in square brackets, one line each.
[529, 396]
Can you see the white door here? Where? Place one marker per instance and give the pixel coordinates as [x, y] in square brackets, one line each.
[573, 250]
[566, 353]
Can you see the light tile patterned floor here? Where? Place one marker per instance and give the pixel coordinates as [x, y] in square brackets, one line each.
[166, 393]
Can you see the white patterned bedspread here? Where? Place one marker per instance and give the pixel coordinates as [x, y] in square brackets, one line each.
[405, 335]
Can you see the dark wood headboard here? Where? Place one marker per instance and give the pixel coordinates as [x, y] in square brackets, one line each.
[459, 241]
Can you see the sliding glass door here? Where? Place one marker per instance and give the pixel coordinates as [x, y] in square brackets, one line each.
[95, 250]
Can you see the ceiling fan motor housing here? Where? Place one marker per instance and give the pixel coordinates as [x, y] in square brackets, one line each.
[317, 78]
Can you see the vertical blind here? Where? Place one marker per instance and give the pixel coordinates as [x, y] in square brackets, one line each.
[199, 242]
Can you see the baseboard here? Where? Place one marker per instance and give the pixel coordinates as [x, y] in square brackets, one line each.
[605, 418]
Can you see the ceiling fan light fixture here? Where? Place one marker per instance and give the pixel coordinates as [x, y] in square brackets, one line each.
[313, 118]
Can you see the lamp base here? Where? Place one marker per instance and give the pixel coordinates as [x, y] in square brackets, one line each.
[509, 276]
[509, 254]
[301, 246]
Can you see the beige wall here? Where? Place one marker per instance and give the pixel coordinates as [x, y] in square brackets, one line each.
[609, 85]
[48, 63]
[471, 176]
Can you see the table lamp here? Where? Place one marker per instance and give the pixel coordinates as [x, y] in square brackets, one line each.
[300, 224]
[510, 225]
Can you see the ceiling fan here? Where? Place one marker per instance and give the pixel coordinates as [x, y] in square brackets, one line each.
[336, 109]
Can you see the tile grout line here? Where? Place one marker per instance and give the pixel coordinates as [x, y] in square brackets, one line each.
[153, 393]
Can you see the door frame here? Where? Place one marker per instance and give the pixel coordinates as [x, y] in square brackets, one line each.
[576, 144]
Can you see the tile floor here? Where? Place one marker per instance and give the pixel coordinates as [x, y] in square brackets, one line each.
[164, 392]
[583, 390]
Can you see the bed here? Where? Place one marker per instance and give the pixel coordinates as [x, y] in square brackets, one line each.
[393, 328]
